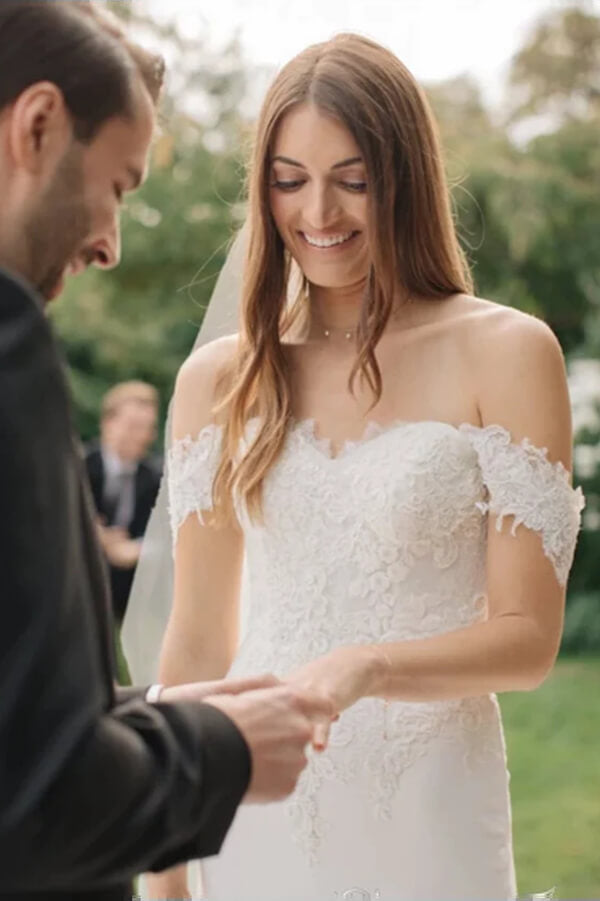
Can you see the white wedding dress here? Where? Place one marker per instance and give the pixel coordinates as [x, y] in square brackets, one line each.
[386, 541]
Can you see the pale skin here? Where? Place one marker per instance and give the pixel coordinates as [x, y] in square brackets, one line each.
[460, 360]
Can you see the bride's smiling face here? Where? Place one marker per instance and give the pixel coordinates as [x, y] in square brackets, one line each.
[318, 197]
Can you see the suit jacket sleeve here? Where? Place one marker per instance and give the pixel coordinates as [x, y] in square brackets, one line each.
[125, 693]
[91, 791]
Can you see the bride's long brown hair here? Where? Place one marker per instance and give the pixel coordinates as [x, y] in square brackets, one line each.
[413, 245]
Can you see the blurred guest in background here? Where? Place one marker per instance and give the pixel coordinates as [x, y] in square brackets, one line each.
[124, 480]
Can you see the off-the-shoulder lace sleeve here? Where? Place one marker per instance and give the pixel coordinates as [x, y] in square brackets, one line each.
[522, 482]
[191, 467]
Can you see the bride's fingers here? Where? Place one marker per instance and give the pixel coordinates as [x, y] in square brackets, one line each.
[321, 734]
[252, 683]
[198, 691]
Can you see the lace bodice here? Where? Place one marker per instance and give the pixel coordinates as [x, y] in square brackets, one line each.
[385, 541]
[510, 479]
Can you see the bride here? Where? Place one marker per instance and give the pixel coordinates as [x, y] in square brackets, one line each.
[390, 455]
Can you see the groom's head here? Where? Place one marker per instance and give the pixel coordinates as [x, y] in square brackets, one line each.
[77, 113]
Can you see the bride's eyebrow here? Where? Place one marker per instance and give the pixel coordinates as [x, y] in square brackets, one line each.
[288, 161]
[351, 161]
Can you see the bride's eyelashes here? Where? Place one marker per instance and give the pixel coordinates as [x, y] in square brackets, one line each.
[355, 187]
[286, 185]
[359, 187]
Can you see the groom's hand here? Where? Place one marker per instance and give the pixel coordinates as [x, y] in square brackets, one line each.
[199, 691]
[277, 724]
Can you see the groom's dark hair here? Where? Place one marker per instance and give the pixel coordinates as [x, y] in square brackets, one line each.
[83, 50]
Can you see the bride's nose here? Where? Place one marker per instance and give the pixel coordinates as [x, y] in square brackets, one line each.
[322, 209]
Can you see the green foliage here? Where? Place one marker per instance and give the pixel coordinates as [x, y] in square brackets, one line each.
[140, 320]
[558, 70]
[529, 214]
[552, 742]
[582, 621]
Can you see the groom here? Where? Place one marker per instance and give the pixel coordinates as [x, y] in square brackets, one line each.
[96, 783]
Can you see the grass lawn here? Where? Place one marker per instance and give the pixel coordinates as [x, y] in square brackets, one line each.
[553, 738]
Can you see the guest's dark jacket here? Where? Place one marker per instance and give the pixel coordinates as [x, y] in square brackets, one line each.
[95, 785]
[147, 482]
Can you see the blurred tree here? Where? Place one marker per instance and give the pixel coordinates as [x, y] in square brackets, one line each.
[529, 211]
[557, 72]
[562, 265]
[582, 622]
[483, 166]
[555, 77]
[140, 320]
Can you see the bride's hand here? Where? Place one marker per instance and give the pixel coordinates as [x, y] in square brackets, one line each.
[199, 691]
[342, 677]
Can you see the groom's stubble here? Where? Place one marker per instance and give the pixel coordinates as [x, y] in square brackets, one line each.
[59, 224]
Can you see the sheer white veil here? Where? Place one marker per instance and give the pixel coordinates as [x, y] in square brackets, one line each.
[151, 595]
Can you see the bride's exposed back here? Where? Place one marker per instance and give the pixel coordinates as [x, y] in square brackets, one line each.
[390, 455]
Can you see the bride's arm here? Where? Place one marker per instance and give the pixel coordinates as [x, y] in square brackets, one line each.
[523, 388]
[202, 633]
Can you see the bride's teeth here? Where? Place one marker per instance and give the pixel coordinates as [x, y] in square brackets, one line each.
[328, 242]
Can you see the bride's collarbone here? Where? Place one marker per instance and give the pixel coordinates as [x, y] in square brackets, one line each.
[442, 393]
[428, 382]
[342, 416]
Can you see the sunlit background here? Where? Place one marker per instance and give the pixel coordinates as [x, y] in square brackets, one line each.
[434, 38]
[516, 89]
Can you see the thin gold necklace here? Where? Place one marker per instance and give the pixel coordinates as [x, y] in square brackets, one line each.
[348, 333]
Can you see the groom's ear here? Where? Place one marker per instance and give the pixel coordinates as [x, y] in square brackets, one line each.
[40, 129]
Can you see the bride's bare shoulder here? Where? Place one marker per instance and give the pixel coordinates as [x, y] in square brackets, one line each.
[517, 366]
[198, 382]
[500, 330]
[208, 361]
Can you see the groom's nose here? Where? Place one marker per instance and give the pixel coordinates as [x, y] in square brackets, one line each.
[105, 251]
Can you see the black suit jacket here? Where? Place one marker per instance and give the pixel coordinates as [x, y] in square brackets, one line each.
[147, 482]
[94, 786]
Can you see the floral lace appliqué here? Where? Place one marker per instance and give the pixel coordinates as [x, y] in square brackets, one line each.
[385, 541]
[523, 483]
[191, 468]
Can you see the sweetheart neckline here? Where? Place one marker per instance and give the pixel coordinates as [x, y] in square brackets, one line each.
[307, 428]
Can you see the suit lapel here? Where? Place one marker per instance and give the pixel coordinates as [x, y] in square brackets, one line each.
[141, 489]
[95, 468]
[98, 575]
